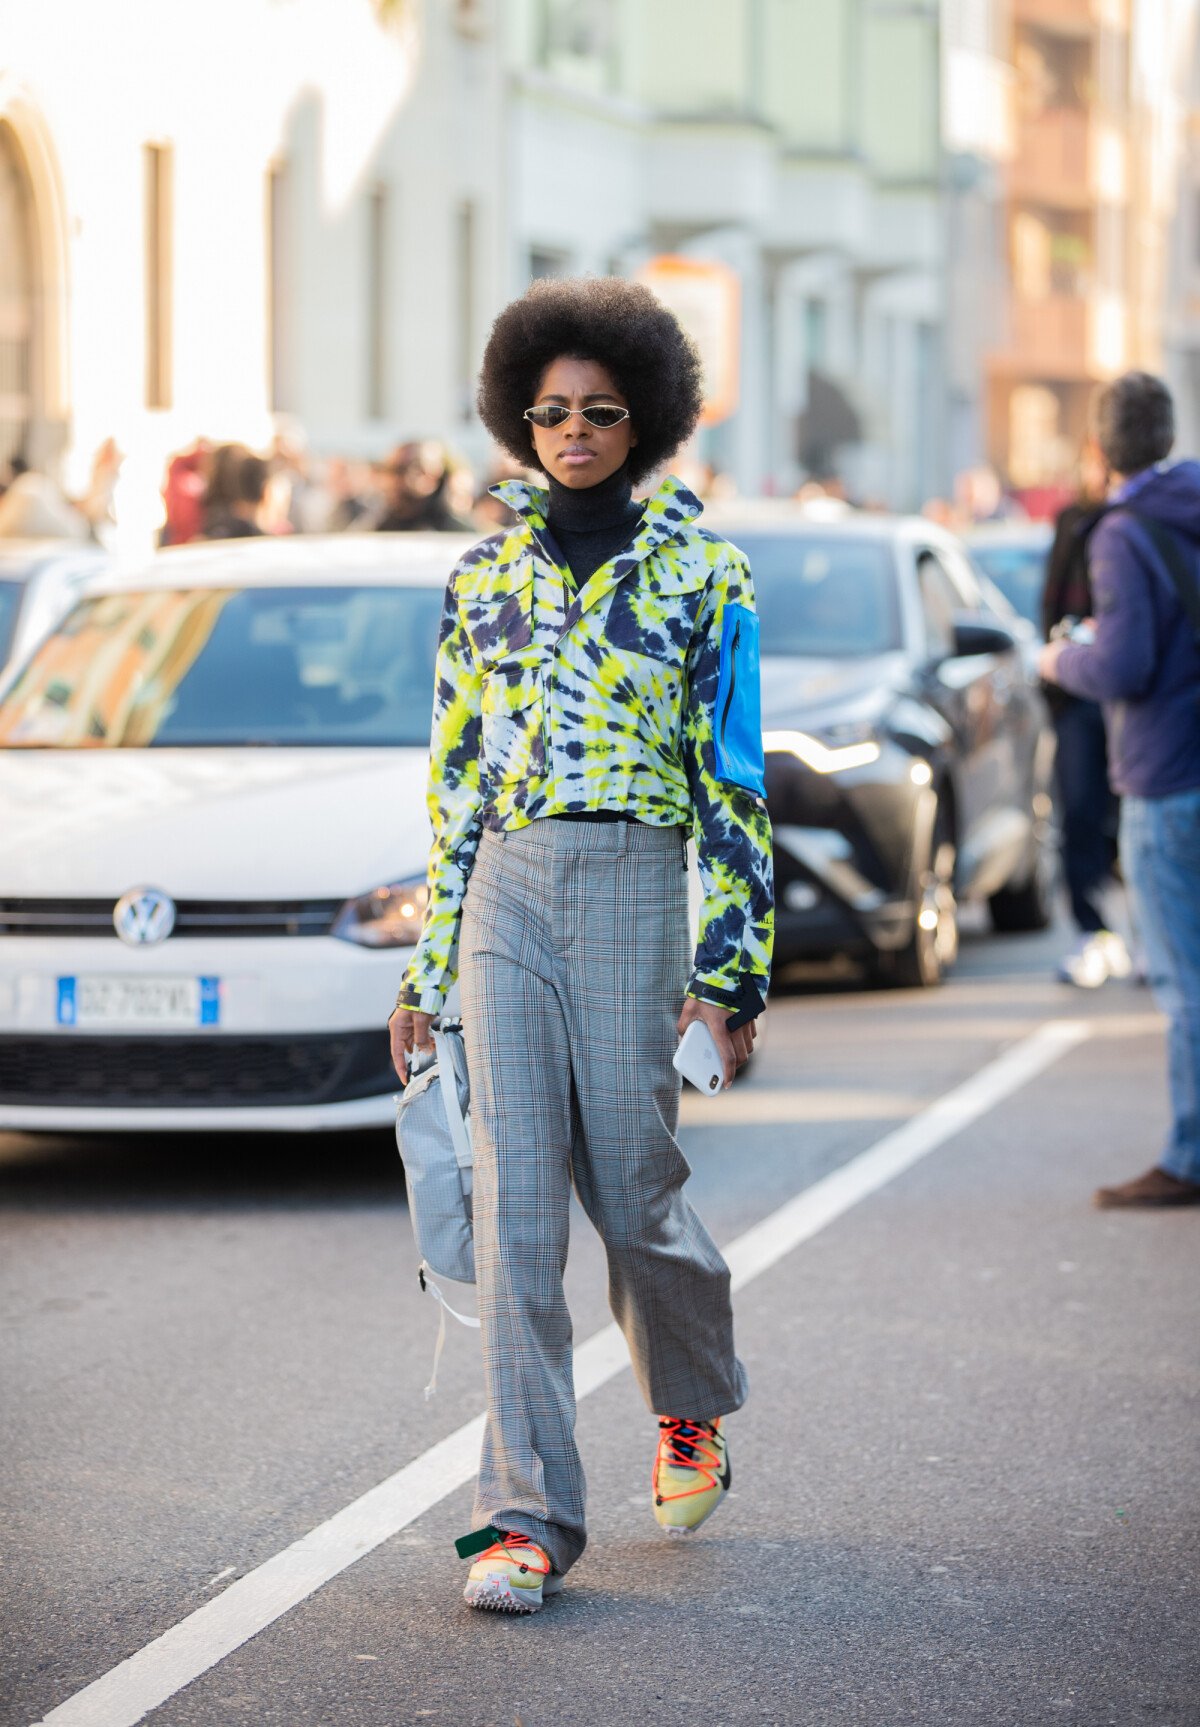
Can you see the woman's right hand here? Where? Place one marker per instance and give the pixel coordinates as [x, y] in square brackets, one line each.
[408, 1031]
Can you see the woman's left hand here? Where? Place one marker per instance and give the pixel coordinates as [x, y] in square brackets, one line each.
[734, 1047]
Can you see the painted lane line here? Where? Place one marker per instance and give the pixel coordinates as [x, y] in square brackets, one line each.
[799, 1219]
[127, 1693]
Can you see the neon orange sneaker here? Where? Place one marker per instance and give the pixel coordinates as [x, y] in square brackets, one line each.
[514, 1575]
[692, 1473]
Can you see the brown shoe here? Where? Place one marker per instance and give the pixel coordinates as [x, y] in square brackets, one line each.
[1156, 1187]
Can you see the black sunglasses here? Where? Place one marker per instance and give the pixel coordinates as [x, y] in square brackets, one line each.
[602, 415]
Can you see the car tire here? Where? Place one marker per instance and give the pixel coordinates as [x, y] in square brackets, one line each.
[1029, 907]
[932, 946]
[1021, 910]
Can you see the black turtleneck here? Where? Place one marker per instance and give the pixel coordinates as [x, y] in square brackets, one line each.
[591, 524]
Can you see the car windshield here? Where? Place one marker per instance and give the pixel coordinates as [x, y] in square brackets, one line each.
[184, 668]
[10, 605]
[1019, 571]
[823, 595]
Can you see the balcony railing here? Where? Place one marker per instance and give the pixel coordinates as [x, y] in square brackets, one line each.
[1065, 338]
[1072, 17]
[1067, 158]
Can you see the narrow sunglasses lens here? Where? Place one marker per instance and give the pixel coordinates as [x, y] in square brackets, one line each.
[553, 414]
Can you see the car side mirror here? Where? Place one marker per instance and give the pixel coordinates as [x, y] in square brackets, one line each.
[973, 637]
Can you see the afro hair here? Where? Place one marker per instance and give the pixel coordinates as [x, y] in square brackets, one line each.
[617, 324]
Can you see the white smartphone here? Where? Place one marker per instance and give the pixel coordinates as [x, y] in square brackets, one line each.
[698, 1059]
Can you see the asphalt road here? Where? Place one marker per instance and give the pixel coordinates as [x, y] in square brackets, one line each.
[965, 1481]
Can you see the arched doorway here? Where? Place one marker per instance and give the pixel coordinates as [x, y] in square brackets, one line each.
[19, 383]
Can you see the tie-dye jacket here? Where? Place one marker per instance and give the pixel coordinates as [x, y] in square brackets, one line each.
[639, 693]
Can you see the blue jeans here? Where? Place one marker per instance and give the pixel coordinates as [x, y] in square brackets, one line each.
[1160, 851]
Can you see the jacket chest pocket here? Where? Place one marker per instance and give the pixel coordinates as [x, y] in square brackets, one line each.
[496, 608]
[513, 708]
[499, 619]
[655, 615]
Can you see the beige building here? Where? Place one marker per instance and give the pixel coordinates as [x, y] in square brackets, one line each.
[257, 213]
[1089, 190]
[1182, 331]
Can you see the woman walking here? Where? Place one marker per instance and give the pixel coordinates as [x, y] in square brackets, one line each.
[596, 704]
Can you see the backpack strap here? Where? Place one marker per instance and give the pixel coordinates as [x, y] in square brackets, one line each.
[1178, 565]
[426, 1280]
[459, 1132]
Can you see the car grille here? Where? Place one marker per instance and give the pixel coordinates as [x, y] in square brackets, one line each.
[191, 1072]
[94, 917]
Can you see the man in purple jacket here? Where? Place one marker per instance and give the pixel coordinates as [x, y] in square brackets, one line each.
[1144, 666]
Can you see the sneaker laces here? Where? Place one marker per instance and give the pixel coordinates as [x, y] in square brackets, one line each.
[521, 1550]
[682, 1446]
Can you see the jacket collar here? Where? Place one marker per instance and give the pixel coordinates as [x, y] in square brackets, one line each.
[664, 515]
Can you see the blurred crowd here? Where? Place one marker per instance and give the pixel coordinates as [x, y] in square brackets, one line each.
[227, 491]
[221, 491]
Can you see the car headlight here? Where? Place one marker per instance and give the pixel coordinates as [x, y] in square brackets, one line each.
[832, 750]
[388, 916]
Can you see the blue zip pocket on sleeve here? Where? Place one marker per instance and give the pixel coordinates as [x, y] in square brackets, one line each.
[738, 719]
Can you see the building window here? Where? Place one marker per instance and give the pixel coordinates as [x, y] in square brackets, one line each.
[157, 161]
[279, 288]
[377, 301]
[467, 249]
[577, 41]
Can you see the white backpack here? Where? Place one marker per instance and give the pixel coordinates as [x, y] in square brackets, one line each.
[433, 1133]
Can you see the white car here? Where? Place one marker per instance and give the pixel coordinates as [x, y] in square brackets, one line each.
[40, 580]
[214, 838]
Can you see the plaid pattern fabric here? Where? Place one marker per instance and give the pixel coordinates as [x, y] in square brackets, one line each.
[574, 966]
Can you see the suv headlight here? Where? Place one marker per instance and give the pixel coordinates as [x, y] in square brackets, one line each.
[830, 750]
[386, 917]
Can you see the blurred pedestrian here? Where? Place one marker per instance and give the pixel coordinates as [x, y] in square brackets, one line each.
[347, 490]
[237, 486]
[294, 503]
[13, 469]
[417, 492]
[943, 512]
[1144, 666]
[183, 495]
[490, 510]
[980, 497]
[35, 507]
[1088, 807]
[584, 659]
[96, 503]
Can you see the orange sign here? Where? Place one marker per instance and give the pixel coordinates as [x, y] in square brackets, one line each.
[706, 298]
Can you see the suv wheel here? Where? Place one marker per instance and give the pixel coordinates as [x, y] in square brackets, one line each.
[1018, 910]
[932, 947]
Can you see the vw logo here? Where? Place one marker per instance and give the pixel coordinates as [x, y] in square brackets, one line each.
[144, 916]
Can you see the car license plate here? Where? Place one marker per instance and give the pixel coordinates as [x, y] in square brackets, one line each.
[147, 1001]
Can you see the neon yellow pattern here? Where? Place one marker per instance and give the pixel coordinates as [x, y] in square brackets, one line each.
[548, 701]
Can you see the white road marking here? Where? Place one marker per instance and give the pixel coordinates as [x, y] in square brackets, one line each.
[143, 1682]
[803, 1217]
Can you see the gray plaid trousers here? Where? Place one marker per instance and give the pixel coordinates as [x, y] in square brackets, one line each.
[573, 963]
